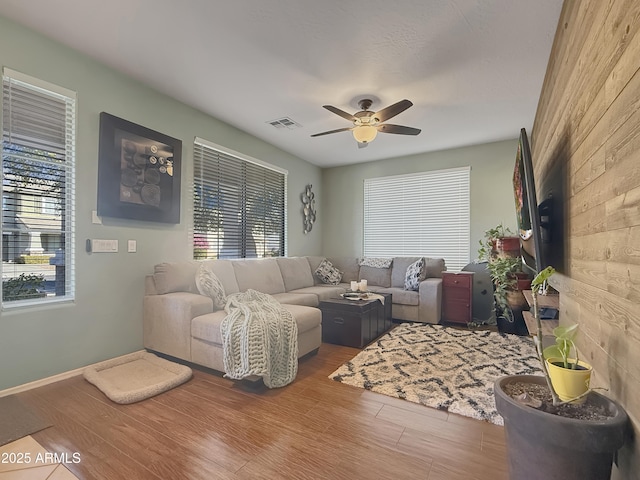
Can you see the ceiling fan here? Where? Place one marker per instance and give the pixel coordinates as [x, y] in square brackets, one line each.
[367, 124]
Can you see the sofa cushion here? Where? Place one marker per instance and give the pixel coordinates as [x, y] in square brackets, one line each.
[434, 267]
[306, 318]
[401, 296]
[399, 270]
[261, 274]
[176, 277]
[323, 292]
[207, 327]
[376, 276]
[377, 289]
[209, 285]
[415, 274]
[296, 272]
[348, 266]
[327, 273]
[292, 298]
[225, 273]
[314, 261]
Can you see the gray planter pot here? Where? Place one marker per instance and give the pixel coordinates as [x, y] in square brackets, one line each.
[543, 446]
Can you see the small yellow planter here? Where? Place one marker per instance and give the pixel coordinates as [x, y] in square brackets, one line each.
[569, 383]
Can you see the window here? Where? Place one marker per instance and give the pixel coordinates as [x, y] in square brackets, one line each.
[38, 190]
[423, 214]
[239, 205]
[49, 205]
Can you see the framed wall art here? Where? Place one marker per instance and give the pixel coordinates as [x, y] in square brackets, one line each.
[138, 172]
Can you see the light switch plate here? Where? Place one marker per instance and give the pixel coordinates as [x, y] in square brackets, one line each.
[132, 246]
[103, 246]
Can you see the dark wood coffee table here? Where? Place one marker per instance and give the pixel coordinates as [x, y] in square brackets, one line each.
[355, 323]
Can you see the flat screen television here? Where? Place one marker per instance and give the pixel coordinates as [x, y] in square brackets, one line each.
[527, 211]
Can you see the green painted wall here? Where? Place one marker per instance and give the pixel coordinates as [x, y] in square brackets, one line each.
[106, 319]
[491, 191]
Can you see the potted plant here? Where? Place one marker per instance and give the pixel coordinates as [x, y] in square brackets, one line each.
[549, 438]
[502, 270]
[500, 249]
[570, 377]
[498, 241]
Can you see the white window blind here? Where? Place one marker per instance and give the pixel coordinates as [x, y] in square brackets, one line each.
[38, 190]
[239, 205]
[423, 214]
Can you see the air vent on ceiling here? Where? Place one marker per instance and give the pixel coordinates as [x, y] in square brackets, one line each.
[284, 122]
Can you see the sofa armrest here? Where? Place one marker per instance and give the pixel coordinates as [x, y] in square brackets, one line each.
[150, 285]
[167, 321]
[430, 291]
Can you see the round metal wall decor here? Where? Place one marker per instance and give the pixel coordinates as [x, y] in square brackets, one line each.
[308, 208]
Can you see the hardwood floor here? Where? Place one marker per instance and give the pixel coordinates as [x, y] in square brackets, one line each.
[315, 428]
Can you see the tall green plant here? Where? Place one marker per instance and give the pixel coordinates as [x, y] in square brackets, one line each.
[487, 244]
[538, 281]
[501, 270]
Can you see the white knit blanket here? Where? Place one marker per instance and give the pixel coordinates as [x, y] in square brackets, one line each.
[259, 337]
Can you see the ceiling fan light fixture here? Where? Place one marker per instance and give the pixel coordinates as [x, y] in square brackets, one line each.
[365, 133]
[367, 124]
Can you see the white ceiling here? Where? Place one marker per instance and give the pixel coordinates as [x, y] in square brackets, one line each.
[472, 68]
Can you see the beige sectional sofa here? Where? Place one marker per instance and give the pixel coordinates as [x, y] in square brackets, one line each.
[180, 322]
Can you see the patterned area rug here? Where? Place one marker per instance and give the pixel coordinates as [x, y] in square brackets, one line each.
[441, 367]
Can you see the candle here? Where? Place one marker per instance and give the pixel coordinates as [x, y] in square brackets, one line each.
[363, 285]
[354, 286]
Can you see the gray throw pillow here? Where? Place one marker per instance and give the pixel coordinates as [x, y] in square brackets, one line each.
[209, 285]
[327, 273]
[416, 272]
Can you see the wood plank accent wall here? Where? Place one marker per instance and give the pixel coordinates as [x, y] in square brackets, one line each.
[586, 153]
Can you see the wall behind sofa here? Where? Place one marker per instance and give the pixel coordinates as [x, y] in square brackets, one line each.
[106, 318]
[491, 191]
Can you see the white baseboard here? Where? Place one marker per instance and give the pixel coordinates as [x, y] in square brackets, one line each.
[55, 378]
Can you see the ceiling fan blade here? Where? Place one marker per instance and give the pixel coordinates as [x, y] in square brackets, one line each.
[392, 110]
[399, 129]
[332, 131]
[362, 144]
[342, 113]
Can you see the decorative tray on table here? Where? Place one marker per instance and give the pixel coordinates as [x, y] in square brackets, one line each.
[351, 295]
